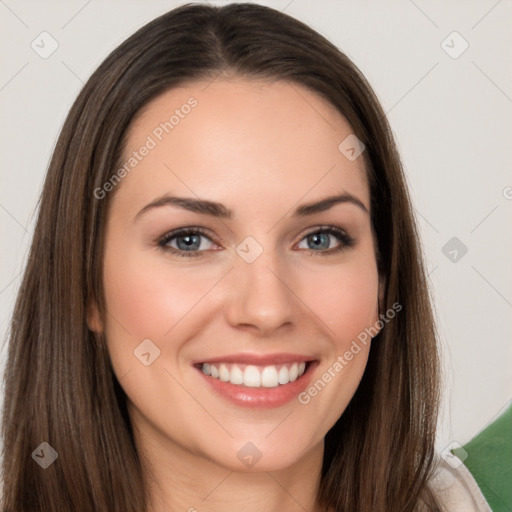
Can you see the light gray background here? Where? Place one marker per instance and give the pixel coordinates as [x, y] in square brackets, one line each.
[451, 117]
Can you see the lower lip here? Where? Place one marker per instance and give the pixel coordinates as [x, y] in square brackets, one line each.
[261, 397]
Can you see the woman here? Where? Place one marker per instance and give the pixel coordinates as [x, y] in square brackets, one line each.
[225, 304]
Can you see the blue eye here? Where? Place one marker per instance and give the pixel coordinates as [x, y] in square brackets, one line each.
[188, 241]
[320, 239]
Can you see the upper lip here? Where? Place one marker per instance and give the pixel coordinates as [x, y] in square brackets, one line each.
[257, 359]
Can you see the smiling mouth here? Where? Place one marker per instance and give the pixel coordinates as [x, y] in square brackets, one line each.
[255, 376]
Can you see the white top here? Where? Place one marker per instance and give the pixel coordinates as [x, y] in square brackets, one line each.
[457, 489]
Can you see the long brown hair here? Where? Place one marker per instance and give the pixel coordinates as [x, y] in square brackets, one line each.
[59, 385]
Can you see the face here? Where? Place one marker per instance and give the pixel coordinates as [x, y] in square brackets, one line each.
[222, 321]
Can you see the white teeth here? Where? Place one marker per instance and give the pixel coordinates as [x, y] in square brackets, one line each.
[255, 376]
[294, 372]
[236, 375]
[252, 377]
[223, 373]
[284, 375]
[269, 377]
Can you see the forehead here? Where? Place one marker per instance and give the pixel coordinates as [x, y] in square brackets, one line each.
[240, 139]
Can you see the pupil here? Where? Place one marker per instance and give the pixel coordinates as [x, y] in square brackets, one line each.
[189, 240]
[318, 243]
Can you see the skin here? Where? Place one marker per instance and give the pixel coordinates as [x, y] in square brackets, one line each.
[261, 148]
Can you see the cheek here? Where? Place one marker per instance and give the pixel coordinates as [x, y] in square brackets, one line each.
[147, 296]
[348, 307]
[345, 297]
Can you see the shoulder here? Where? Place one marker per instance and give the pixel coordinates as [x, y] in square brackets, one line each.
[456, 488]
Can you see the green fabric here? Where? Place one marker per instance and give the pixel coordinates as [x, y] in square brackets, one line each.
[488, 457]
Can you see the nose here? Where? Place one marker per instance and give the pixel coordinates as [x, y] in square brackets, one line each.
[261, 296]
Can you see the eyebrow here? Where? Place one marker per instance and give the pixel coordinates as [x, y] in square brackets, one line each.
[218, 210]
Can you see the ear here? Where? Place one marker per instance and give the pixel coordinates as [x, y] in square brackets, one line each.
[93, 317]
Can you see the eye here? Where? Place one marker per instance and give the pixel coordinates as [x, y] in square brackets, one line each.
[321, 238]
[188, 241]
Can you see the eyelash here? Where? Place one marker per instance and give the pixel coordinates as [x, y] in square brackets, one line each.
[346, 240]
